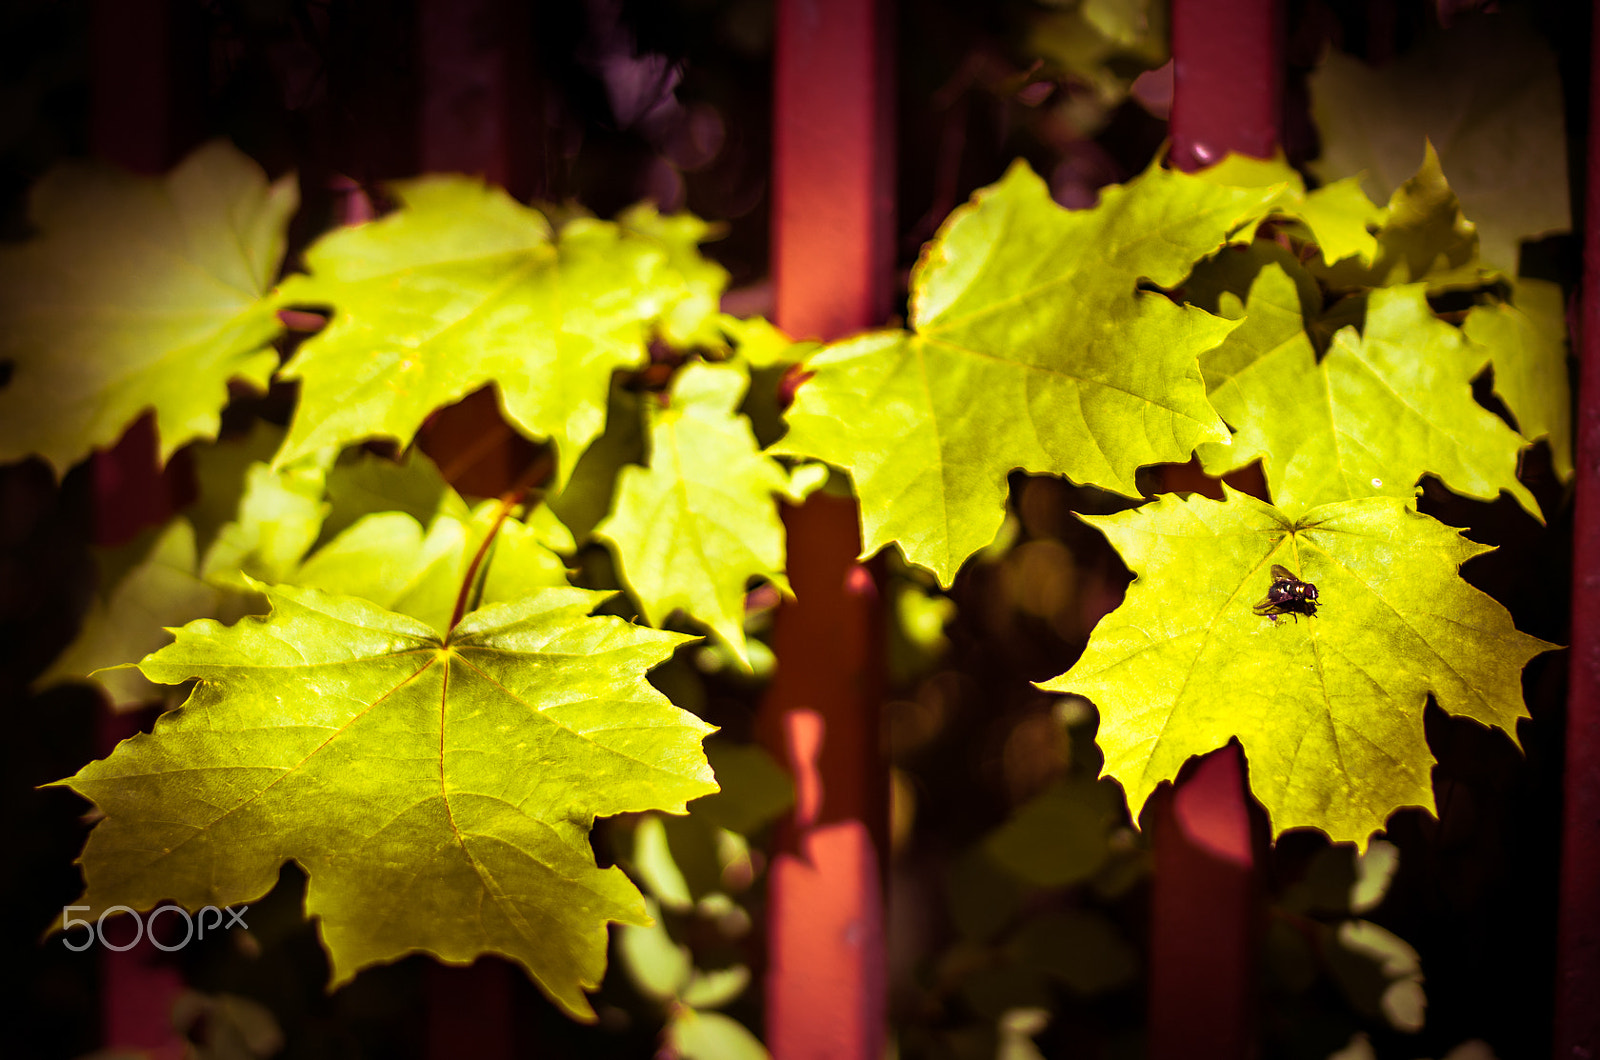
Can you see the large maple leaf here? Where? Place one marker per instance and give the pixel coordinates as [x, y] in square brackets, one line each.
[437, 791]
[464, 287]
[1033, 348]
[1382, 408]
[694, 527]
[1329, 709]
[139, 294]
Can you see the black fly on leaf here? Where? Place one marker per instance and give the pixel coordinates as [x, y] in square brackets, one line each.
[1287, 595]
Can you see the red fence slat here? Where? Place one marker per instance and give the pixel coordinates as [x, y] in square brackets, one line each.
[142, 95]
[1227, 96]
[462, 121]
[832, 237]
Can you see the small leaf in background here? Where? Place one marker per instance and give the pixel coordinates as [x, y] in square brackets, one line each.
[1488, 95]
[1328, 708]
[1375, 869]
[804, 480]
[693, 528]
[917, 640]
[1382, 409]
[138, 294]
[438, 794]
[656, 868]
[226, 1027]
[1379, 972]
[1017, 1028]
[221, 471]
[981, 896]
[1033, 348]
[463, 287]
[715, 987]
[753, 789]
[658, 966]
[1340, 880]
[389, 559]
[1527, 341]
[1101, 45]
[1081, 948]
[1056, 839]
[1471, 1050]
[1358, 1048]
[1338, 217]
[699, 1035]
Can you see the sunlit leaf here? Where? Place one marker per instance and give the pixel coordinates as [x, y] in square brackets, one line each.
[1379, 411]
[695, 526]
[464, 287]
[1328, 708]
[438, 793]
[1035, 348]
[138, 294]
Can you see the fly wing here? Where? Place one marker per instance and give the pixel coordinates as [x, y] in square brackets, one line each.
[1280, 573]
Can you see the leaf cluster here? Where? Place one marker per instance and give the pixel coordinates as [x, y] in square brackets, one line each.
[393, 686]
[1237, 315]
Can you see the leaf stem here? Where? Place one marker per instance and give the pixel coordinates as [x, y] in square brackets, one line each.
[509, 500]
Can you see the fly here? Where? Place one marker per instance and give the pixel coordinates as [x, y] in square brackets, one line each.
[1287, 595]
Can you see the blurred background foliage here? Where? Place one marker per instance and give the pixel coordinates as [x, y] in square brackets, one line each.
[1018, 887]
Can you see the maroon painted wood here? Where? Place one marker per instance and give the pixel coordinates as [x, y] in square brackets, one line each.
[142, 111]
[1227, 67]
[476, 112]
[832, 264]
[1577, 1015]
[468, 59]
[1204, 910]
[1227, 96]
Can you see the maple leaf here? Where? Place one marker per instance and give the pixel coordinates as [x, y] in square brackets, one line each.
[438, 792]
[692, 529]
[1488, 95]
[248, 521]
[139, 294]
[586, 497]
[1341, 217]
[1338, 217]
[463, 287]
[1329, 709]
[1379, 411]
[127, 619]
[388, 558]
[691, 316]
[1527, 341]
[279, 515]
[1033, 348]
